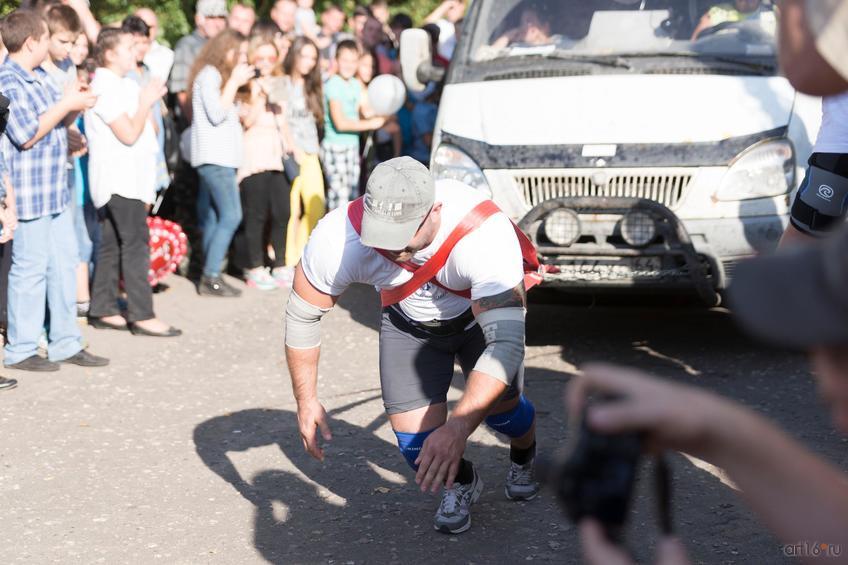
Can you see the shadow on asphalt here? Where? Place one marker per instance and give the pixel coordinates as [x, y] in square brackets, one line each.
[345, 510]
[348, 510]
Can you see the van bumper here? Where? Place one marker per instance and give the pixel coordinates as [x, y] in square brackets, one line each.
[685, 255]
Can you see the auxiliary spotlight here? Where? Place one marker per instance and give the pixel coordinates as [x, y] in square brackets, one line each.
[563, 227]
[638, 228]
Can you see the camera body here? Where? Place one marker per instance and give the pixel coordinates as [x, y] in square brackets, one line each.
[596, 475]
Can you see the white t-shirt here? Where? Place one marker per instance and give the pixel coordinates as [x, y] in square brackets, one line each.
[113, 167]
[447, 38]
[64, 74]
[159, 60]
[488, 260]
[833, 135]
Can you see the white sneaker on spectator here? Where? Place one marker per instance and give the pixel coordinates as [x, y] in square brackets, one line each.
[261, 279]
[284, 276]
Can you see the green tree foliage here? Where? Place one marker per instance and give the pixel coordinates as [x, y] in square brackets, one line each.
[417, 9]
[176, 17]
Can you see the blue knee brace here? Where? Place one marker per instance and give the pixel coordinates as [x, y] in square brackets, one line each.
[410, 446]
[516, 422]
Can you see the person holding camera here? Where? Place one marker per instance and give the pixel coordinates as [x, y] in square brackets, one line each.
[220, 70]
[756, 455]
[265, 191]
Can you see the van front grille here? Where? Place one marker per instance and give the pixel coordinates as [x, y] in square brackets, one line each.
[664, 186]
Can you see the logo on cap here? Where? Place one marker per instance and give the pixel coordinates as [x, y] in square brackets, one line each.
[384, 207]
[825, 192]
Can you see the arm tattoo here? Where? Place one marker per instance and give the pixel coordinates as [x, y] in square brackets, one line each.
[513, 298]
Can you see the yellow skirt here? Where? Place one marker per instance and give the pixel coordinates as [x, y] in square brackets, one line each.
[307, 207]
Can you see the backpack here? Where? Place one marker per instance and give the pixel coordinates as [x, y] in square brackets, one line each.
[422, 274]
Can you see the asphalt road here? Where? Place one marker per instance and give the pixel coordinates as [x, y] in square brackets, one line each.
[187, 450]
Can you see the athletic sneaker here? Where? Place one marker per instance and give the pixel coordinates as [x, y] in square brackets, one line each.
[82, 309]
[454, 513]
[261, 279]
[521, 481]
[284, 276]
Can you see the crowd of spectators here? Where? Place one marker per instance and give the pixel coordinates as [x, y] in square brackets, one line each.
[246, 132]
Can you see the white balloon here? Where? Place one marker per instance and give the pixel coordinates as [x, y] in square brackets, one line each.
[386, 93]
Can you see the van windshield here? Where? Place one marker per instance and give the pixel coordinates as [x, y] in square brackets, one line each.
[585, 29]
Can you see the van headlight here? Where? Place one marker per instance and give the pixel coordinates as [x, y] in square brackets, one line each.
[451, 162]
[761, 171]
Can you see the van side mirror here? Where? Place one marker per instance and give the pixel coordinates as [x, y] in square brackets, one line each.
[416, 60]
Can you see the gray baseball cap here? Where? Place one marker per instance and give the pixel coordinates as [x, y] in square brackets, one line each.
[399, 195]
[212, 8]
[797, 297]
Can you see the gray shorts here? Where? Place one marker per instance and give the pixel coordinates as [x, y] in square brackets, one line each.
[416, 366]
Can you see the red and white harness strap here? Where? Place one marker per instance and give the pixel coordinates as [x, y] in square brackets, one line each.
[422, 274]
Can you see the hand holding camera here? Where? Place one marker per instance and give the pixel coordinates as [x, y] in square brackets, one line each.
[242, 74]
[618, 415]
[669, 415]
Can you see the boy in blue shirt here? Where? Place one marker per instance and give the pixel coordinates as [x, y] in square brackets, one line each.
[343, 106]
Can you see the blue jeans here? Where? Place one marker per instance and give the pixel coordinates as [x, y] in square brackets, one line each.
[44, 261]
[218, 214]
[83, 238]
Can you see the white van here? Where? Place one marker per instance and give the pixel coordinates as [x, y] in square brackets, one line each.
[641, 144]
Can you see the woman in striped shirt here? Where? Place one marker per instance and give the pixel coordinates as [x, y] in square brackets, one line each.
[216, 149]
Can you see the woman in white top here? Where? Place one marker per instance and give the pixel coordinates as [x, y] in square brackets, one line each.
[219, 71]
[122, 169]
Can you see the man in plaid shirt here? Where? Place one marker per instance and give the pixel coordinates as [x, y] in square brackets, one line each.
[35, 147]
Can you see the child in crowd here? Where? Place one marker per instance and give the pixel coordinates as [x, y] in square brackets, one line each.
[216, 149]
[387, 142]
[304, 113]
[140, 33]
[345, 117]
[35, 148]
[65, 27]
[80, 50]
[264, 188]
[86, 224]
[122, 175]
